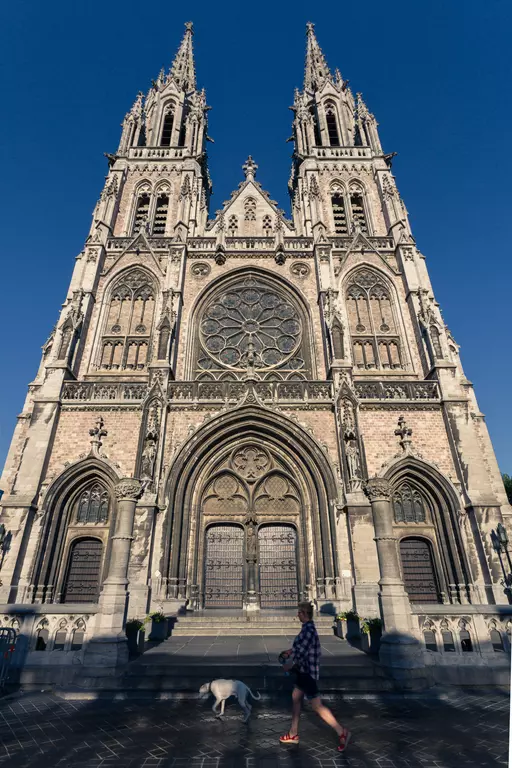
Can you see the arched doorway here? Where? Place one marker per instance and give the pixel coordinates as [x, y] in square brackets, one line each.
[418, 570]
[224, 566]
[277, 566]
[252, 468]
[82, 583]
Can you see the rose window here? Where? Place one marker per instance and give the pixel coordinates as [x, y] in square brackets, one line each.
[251, 326]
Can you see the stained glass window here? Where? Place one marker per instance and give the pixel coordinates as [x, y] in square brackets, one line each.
[250, 326]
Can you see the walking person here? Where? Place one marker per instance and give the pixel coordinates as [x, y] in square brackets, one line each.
[305, 666]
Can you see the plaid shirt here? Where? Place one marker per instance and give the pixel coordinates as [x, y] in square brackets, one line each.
[306, 650]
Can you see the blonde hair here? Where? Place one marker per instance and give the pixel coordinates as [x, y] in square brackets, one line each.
[307, 607]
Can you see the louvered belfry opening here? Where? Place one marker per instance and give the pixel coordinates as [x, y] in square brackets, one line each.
[83, 580]
[418, 571]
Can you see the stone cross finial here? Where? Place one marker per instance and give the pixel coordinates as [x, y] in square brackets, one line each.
[189, 26]
[404, 433]
[310, 27]
[249, 168]
[97, 432]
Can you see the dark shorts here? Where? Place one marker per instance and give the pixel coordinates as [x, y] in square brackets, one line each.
[307, 684]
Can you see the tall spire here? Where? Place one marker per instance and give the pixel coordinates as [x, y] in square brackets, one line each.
[316, 70]
[182, 68]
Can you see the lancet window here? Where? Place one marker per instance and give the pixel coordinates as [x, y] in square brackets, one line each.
[125, 344]
[339, 214]
[436, 341]
[163, 340]
[250, 209]
[233, 225]
[167, 127]
[408, 505]
[161, 211]
[332, 125]
[67, 333]
[141, 212]
[373, 327]
[318, 140]
[358, 211]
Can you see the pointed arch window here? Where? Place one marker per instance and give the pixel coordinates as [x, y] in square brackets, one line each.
[374, 330]
[82, 582]
[141, 212]
[436, 342]
[339, 214]
[93, 505]
[409, 505]
[358, 211]
[267, 226]
[314, 119]
[163, 340]
[332, 125]
[161, 211]
[65, 341]
[250, 209]
[129, 323]
[233, 225]
[167, 127]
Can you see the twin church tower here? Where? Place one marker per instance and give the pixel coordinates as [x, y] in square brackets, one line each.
[240, 411]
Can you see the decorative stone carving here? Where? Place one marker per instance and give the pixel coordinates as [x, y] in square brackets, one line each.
[97, 432]
[200, 269]
[351, 443]
[404, 433]
[128, 488]
[378, 488]
[299, 269]
[151, 439]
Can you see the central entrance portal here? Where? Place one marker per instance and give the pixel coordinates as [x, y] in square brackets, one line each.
[228, 564]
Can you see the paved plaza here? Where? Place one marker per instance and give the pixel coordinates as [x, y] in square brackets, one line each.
[447, 730]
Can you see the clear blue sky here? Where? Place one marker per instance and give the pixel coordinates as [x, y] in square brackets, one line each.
[436, 74]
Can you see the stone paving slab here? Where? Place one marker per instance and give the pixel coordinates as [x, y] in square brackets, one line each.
[452, 730]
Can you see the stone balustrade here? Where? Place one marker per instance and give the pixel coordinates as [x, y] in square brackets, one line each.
[107, 391]
[401, 391]
[353, 152]
[379, 243]
[308, 392]
[165, 153]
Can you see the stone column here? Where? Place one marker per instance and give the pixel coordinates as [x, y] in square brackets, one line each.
[251, 557]
[401, 654]
[109, 646]
[396, 607]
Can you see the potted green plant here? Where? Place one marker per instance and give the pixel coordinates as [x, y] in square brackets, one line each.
[158, 625]
[340, 626]
[371, 630]
[353, 631]
[135, 635]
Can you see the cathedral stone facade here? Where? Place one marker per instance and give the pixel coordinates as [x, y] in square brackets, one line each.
[240, 411]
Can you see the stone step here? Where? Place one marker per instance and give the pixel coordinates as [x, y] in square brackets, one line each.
[199, 618]
[205, 631]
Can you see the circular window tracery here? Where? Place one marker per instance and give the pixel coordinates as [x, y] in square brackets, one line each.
[251, 325]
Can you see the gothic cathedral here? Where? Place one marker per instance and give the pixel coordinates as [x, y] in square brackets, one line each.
[242, 411]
